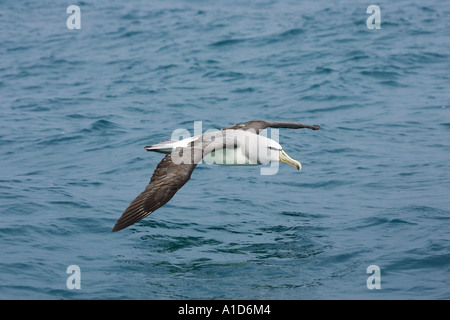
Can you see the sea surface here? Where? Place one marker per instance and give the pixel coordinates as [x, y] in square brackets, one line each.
[77, 106]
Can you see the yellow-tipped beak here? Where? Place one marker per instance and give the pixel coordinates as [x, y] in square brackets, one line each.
[286, 159]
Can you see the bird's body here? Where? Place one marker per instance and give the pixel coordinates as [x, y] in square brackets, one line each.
[238, 145]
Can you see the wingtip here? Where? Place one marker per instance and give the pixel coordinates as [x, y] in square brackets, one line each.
[119, 226]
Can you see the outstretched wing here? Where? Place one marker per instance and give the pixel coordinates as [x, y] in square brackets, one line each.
[167, 179]
[171, 174]
[259, 125]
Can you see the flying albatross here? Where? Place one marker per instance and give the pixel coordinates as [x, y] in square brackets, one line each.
[240, 144]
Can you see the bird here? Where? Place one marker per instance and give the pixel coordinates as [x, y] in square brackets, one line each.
[240, 144]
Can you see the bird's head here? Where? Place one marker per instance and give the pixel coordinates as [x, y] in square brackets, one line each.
[276, 153]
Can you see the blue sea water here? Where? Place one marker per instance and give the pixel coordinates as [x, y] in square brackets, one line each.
[77, 107]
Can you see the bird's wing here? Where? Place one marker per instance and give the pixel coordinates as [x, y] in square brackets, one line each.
[167, 179]
[171, 174]
[259, 125]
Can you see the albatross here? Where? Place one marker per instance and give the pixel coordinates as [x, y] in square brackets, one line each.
[240, 144]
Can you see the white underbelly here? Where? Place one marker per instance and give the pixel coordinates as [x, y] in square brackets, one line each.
[228, 157]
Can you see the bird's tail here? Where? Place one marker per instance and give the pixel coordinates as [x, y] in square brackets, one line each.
[161, 147]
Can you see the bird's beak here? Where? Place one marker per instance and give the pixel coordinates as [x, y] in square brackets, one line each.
[286, 159]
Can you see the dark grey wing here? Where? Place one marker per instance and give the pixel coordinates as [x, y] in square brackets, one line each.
[171, 174]
[167, 179]
[259, 125]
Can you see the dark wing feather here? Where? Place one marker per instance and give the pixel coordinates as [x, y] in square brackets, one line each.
[259, 125]
[167, 179]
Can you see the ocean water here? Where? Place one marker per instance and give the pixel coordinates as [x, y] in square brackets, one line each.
[77, 107]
